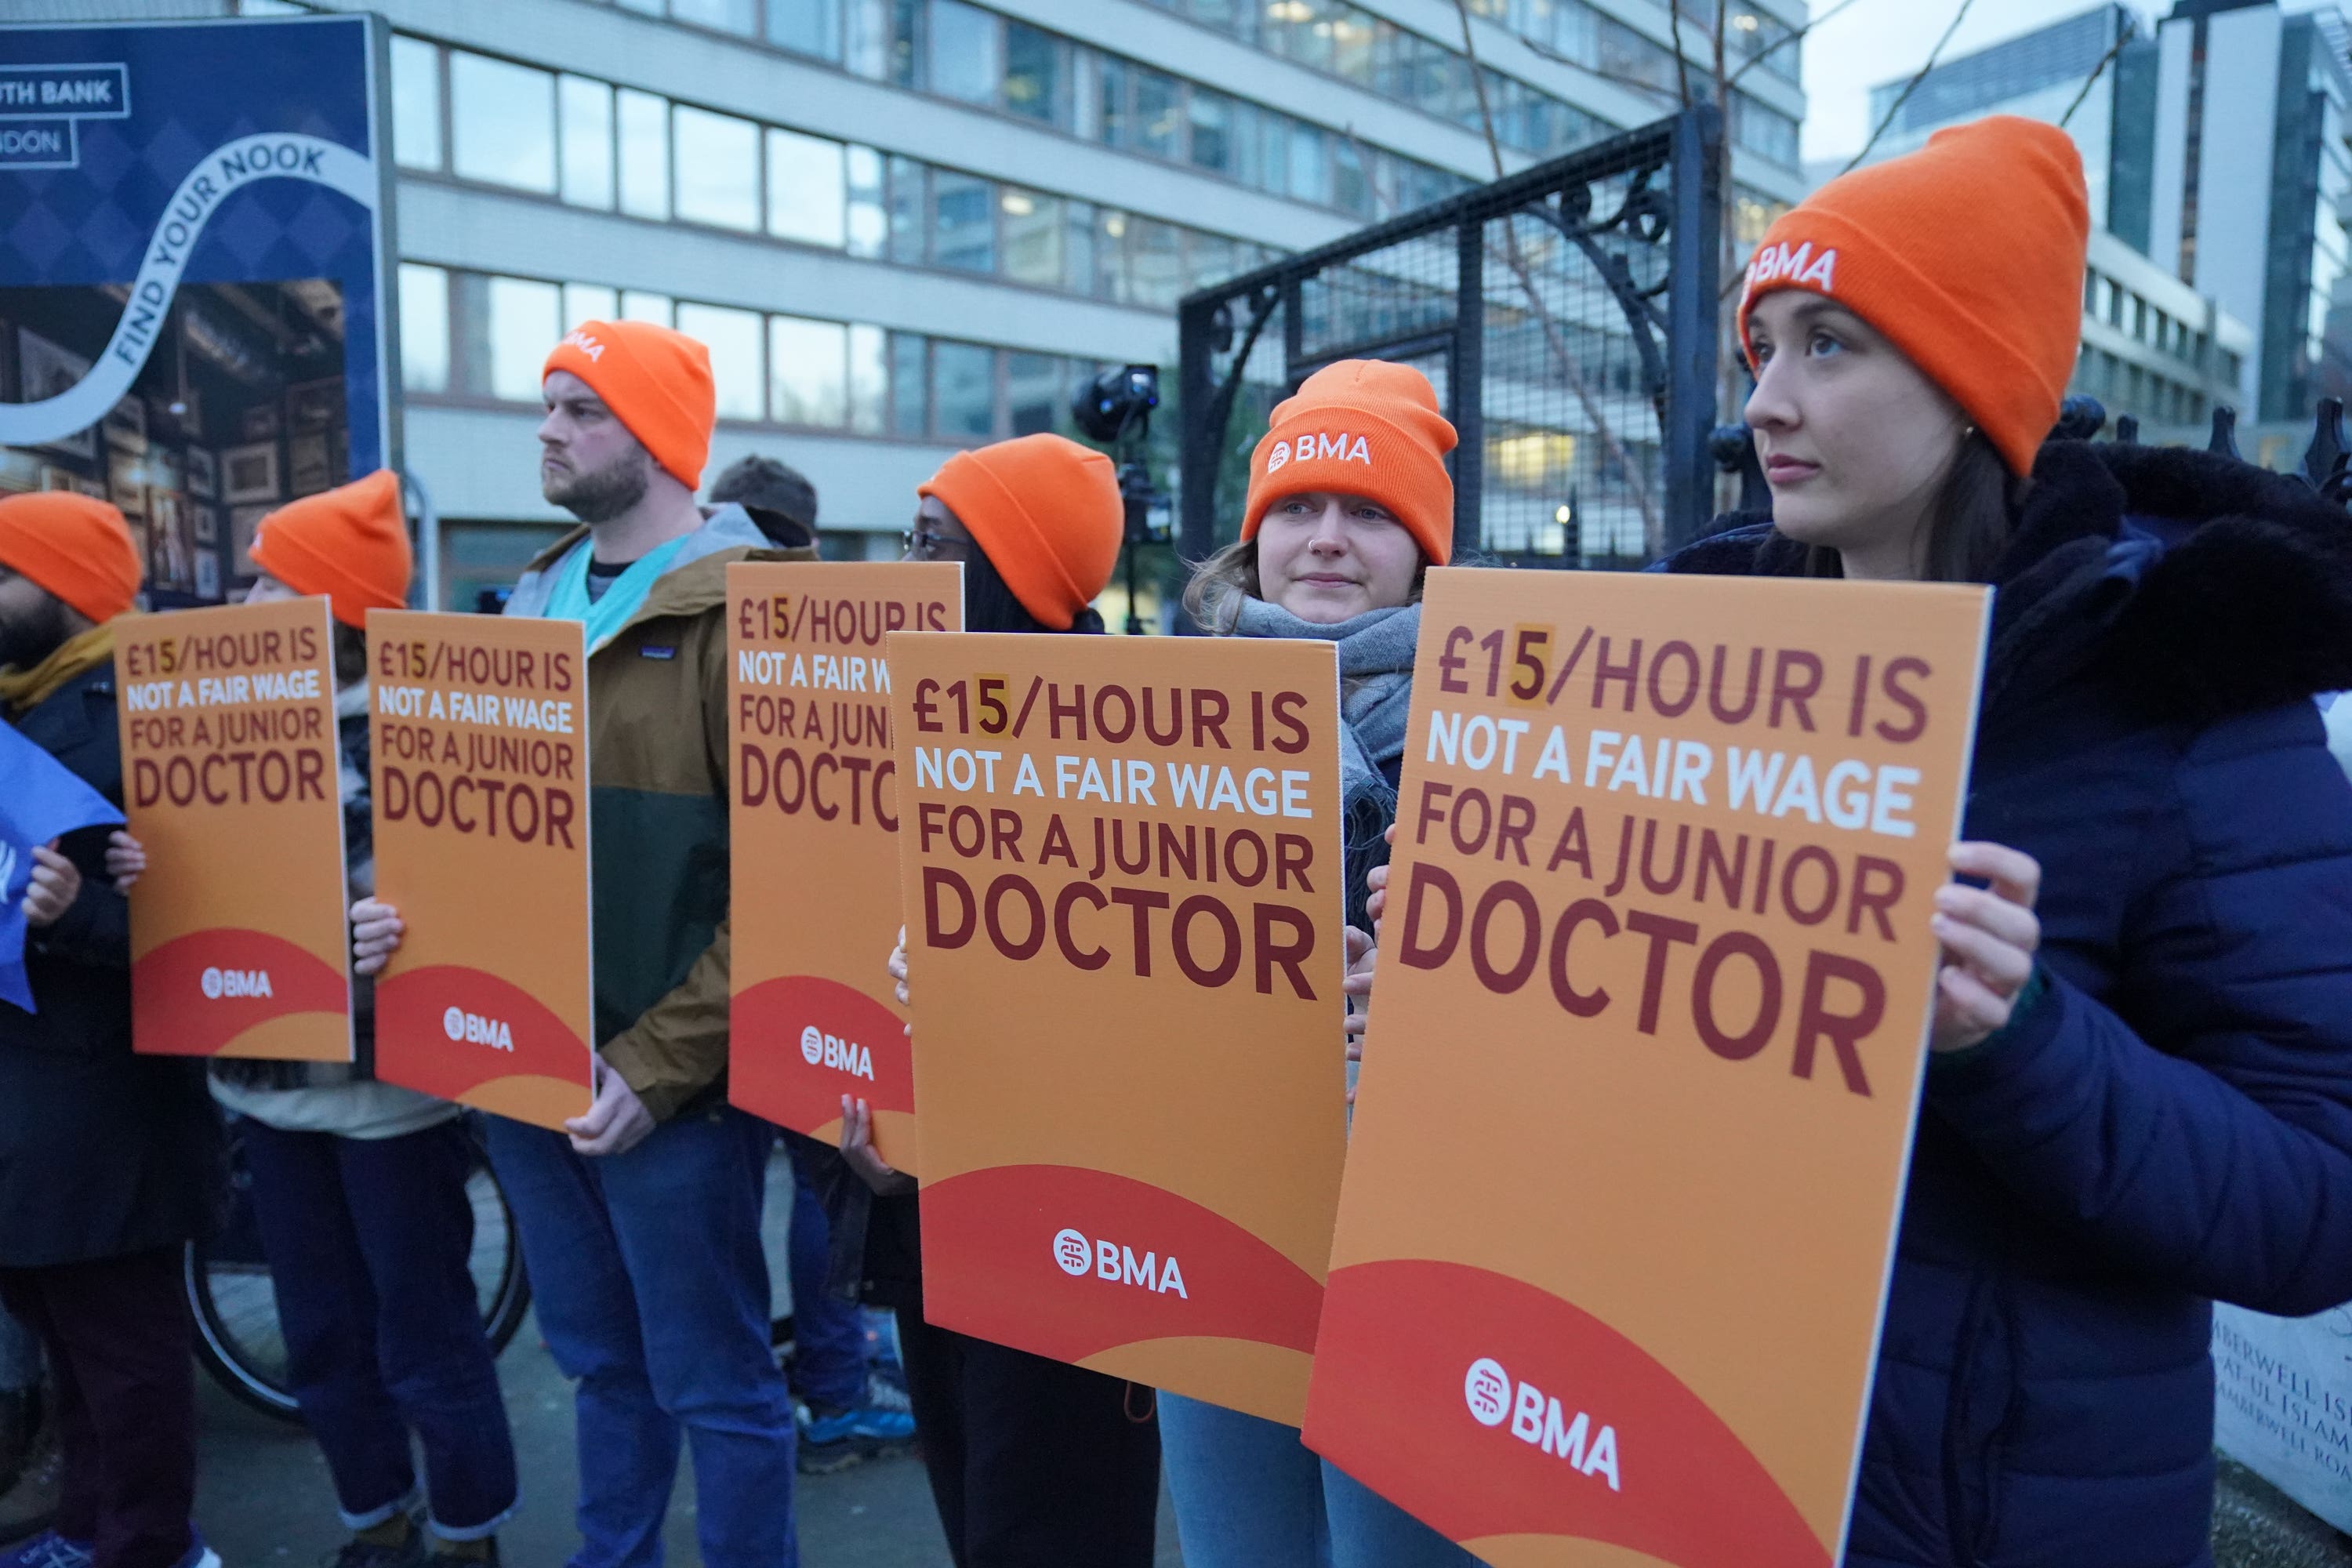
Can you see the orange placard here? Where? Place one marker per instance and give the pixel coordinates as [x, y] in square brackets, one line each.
[1656, 977]
[238, 933]
[480, 731]
[1121, 865]
[814, 824]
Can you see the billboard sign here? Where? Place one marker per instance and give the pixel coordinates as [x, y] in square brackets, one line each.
[195, 295]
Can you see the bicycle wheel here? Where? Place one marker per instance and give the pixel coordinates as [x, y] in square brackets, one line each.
[239, 1339]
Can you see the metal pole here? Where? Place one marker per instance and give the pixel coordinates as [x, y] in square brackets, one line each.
[1695, 266]
[1465, 371]
[428, 538]
[1197, 460]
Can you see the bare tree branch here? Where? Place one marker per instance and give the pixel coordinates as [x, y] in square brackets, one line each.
[1682, 60]
[1569, 370]
[1773, 48]
[2124, 34]
[1910, 87]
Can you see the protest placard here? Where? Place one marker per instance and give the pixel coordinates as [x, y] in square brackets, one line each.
[1654, 984]
[1122, 883]
[481, 844]
[813, 821]
[239, 945]
[40, 799]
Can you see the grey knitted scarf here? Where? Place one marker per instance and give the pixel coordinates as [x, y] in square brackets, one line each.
[1375, 681]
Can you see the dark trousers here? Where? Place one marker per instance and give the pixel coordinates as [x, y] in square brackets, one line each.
[828, 1334]
[117, 1337]
[368, 1240]
[1034, 1464]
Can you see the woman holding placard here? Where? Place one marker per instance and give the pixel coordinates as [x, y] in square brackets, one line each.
[1349, 503]
[359, 1187]
[2139, 1100]
[1033, 1463]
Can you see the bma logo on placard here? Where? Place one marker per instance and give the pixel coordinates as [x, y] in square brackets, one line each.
[473, 1029]
[1539, 1420]
[820, 1050]
[1108, 1260]
[219, 984]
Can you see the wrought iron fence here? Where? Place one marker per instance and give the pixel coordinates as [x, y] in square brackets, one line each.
[1566, 317]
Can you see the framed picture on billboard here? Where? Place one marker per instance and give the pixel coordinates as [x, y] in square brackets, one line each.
[243, 523]
[259, 421]
[201, 482]
[46, 370]
[207, 526]
[308, 470]
[126, 425]
[314, 404]
[126, 483]
[208, 581]
[249, 473]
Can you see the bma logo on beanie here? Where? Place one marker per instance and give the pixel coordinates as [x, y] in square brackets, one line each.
[585, 344]
[1322, 445]
[1800, 268]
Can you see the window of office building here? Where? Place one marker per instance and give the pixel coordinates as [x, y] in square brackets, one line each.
[868, 221]
[423, 328]
[523, 321]
[726, 16]
[963, 222]
[643, 305]
[909, 205]
[1210, 144]
[1036, 73]
[806, 26]
[1033, 228]
[586, 115]
[1035, 386]
[806, 195]
[644, 121]
[503, 120]
[415, 104]
[589, 302]
[1155, 263]
[806, 366]
[870, 380]
[963, 391]
[733, 339]
[910, 384]
[717, 180]
[965, 58]
[1158, 124]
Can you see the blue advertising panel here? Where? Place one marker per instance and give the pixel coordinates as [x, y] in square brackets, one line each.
[196, 275]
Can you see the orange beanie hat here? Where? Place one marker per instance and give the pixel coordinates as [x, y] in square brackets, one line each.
[76, 546]
[656, 381]
[349, 543]
[1047, 514]
[1361, 427]
[1901, 245]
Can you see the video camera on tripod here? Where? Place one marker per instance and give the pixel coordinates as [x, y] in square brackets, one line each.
[1115, 408]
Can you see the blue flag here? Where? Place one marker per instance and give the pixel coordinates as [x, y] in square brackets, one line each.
[39, 799]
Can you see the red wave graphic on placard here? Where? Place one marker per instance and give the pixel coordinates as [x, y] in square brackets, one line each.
[769, 1073]
[1388, 1404]
[413, 1043]
[990, 1266]
[174, 1012]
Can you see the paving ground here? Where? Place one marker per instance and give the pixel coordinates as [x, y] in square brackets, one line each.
[263, 1499]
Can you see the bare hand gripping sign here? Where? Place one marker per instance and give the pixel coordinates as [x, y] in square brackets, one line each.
[238, 944]
[814, 824]
[1656, 979]
[1121, 862]
[480, 754]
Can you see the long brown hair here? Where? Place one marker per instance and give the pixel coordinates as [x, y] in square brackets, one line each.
[1973, 515]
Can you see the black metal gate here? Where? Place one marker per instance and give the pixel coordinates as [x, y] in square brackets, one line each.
[1566, 316]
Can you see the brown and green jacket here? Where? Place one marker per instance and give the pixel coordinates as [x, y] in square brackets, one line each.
[657, 813]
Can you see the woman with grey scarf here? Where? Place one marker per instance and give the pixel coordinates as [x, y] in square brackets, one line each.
[1349, 503]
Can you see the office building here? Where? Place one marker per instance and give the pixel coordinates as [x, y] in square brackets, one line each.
[2213, 145]
[905, 225]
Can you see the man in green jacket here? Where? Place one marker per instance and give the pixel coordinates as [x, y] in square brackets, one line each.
[641, 1226]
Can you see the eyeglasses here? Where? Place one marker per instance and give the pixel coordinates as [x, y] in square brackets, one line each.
[919, 543]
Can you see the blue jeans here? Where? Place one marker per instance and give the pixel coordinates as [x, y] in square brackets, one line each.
[828, 1339]
[653, 1295]
[368, 1240]
[1249, 1494]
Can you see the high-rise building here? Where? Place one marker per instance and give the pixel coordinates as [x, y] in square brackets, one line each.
[905, 226]
[2214, 147]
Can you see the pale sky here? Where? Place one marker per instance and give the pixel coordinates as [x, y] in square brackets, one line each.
[1874, 41]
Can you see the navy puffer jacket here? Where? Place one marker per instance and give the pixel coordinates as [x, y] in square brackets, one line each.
[2171, 1124]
